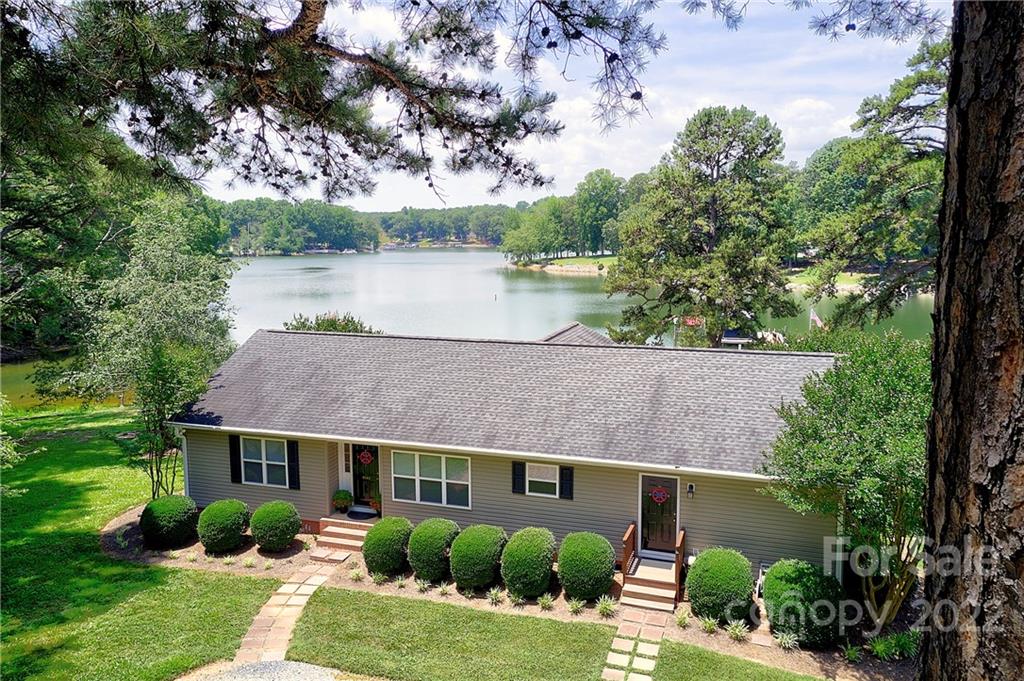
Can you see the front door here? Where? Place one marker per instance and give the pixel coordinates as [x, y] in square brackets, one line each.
[365, 473]
[658, 511]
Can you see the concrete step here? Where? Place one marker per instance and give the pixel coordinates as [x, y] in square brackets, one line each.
[343, 533]
[329, 521]
[338, 544]
[644, 603]
[651, 593]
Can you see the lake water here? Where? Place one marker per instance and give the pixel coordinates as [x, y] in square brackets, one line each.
[440, 292]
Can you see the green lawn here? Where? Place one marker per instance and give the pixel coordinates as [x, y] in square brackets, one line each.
[414, 640]
[606, 260]
[803, 278]
[69, 611]
[683, 662]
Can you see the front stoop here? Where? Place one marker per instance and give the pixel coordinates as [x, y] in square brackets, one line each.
[271, 630]
[650, 584]
[338, 539]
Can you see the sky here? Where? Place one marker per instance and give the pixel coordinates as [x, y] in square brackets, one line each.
[774, 64]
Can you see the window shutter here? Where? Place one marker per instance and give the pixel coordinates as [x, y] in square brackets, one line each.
[235, 455]
[518, 477]
[293, 464]
[565, 479]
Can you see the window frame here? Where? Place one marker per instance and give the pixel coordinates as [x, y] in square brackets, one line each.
[263, 461]
[417, 477]
[558, 481]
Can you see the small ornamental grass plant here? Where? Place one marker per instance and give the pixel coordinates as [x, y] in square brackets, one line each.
[787, 641]
[399, 582]
[852, 652]
[683, 619]
[546, 601]
[422, 585]
[356, 575]
[606, 606]
[576, 606]
[444, 589]
[737, 630]
[495, 596]
[249, 562]
[709, 625]
[379, 578]
[516, 600]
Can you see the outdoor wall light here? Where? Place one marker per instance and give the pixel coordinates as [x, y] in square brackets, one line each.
[690, 489]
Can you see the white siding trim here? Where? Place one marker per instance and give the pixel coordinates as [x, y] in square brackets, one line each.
[184, 456]
[490, 452]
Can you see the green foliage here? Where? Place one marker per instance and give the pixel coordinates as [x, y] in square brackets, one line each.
[737, 630]
[709, 625]
[720, 585]
[9, 453]
[786, 641]
[274, 525]
[606, 606]
[476, 554]
[379, 578]
[429, 546]
[495, 595]
[332, 322]
[576, 606]
[221, 525]
[169, 521]
[854, 448]
[895, 646]
[799, 600]
[386, 545]
[586, 565]
[422, 585]
[705, 240]
[851, 652]
[598, 199]
[527, 560]
[546, 601]
[356, 575]
[683, 619]
[341, 498]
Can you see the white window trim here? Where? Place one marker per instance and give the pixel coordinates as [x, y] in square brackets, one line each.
[444, 481]
[558, 481]
[263, 460]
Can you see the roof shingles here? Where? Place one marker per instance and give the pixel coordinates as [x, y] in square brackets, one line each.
[690, 408]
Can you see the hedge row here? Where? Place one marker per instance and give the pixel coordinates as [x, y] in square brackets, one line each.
[477, 556]
[172, 521]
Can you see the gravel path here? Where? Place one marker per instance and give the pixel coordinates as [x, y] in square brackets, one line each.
[273, 671]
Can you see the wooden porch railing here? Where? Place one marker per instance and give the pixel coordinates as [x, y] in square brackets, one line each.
[628, 546]
[680, 559]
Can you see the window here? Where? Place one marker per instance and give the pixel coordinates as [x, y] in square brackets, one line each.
[264, 462]
[430, 478]
[542, 480]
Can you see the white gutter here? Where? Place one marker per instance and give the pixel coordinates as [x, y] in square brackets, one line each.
[477, 450]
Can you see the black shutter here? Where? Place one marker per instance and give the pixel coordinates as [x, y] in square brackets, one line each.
[518, 477]
[293, 464]
[565, 478]
[235, 454]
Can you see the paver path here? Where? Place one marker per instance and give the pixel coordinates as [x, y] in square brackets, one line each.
[271, 630]
[635, 646]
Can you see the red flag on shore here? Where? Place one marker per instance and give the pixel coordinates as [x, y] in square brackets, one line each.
[816, 320]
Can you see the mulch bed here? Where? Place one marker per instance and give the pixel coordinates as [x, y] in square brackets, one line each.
[121, 538]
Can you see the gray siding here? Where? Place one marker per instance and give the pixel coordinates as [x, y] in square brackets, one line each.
[604, 500]
[209, 476]
[333, 481]
[732, 513]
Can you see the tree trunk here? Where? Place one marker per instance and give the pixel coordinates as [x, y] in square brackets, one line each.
[975, 495]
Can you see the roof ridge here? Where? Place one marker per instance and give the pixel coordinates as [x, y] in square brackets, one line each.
[559, 331]
[541, 343]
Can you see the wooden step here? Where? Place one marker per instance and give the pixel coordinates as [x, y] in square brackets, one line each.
[652, 583]
[651, 593]
[644, 603]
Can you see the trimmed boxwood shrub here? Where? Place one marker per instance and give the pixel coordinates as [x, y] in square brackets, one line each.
[527, 560]
[274, 525]
[386, 545]
[475, 556]
[802, 601]
[429, 546]
[169, 521]
[586, 565]
[222, 523]
[720, 585]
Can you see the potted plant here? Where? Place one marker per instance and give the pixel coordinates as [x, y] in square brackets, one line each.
[375, 502]
[342, 499]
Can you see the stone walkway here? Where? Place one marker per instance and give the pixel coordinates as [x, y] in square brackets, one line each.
[271, 630]
[635, 646]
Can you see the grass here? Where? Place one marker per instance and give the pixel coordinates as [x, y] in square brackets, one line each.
[682, 662]
[606, 260]
[803, 278]
[417, 640]
[71, 612]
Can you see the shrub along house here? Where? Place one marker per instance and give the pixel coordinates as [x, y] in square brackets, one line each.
[657, 449]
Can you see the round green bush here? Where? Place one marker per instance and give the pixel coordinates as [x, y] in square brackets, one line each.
[169, 521]
[803, 601]
[527, 560]
[386, 545]
[429, 546]
[720, 585]
[586, 565]
[222, 523]
[274, 525]
[475, 556]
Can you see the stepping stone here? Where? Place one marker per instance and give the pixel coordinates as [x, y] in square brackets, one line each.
[306, 590]
[618, 660]
[613, 674]
[648, 649]
[272, 656]
[248, 656]
[633, 615]
[624, 645]
[288, 588]
[656, 619]
[652, 633]
[316, 580]
[298, 600]
[644, 664]
[639, 677]
[278, 599]
[628, 630]
[763, 640]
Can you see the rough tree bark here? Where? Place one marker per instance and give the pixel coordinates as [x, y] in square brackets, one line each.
[976, 433]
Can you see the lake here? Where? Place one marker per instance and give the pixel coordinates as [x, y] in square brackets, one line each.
[438, 292]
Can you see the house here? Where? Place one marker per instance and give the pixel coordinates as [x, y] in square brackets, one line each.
[571, 432]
